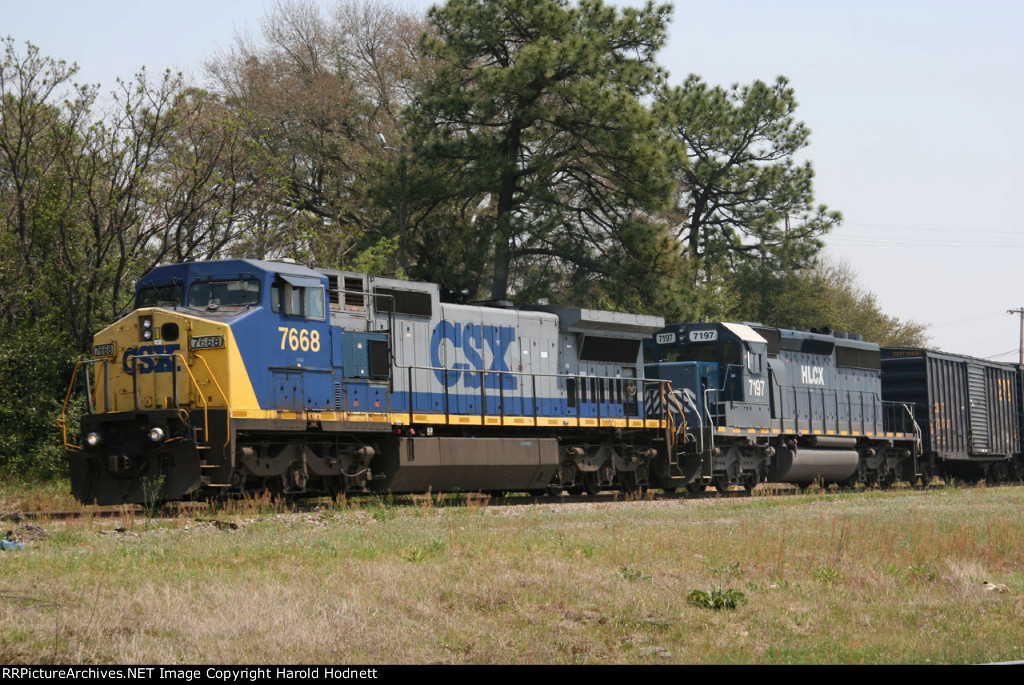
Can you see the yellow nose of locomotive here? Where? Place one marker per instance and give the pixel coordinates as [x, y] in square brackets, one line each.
[158, 359]
[157, 426]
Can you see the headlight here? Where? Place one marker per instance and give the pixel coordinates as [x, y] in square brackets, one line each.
[92, 439]
[147, 327]
[156, 434]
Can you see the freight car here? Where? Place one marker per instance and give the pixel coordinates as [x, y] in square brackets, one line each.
[244, 376]
[969, 411]
[768, 404]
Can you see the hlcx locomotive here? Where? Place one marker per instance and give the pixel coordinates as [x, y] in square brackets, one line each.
[243, 376]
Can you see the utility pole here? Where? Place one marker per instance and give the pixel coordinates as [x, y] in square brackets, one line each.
[403, 219]
[1020, 312]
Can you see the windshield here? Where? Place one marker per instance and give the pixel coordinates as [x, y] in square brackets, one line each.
[151, 295]
[235, 293]
[704, 352]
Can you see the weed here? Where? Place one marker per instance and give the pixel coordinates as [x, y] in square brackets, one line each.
[152, 491]
[383, 513]
[814, 488]
[632, 575]
[826, 574]
[414, 555]
[434, 548]
[726, 570]
[437, 546]
[717, 599]
[426, 500]
[923, 573]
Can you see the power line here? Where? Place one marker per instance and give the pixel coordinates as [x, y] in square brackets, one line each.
[966, 240]
[932, 228]
[1001, 354]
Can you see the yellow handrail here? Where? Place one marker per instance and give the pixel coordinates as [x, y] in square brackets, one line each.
[62, 420]
[227, 409]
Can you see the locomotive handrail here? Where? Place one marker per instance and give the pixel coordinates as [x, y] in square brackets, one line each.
[445, 371]
[709, 453]
[794, 393]
[668, 395]
[684, 393]
[174, 383]
[216, 383]
[62, 420]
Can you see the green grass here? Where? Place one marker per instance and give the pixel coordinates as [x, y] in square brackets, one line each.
[862, 578]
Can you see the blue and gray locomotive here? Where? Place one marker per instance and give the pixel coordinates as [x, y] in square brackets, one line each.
[242, 376]
[763, 404]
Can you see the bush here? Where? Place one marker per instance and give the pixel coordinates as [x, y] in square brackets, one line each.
[35, 368]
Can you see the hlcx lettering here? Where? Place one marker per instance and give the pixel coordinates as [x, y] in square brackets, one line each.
[148, 364]
[470, 338]
[812, 375]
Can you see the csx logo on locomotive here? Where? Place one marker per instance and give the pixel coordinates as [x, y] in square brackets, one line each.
[138, 357]
[470, 338]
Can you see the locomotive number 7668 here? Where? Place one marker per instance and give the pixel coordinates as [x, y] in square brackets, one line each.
[299, 339]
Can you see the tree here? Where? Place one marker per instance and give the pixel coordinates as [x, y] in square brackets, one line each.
[825, 296]
[534, 129]
[313, 93]
[88, 204]
[40, 112]
[742, 196]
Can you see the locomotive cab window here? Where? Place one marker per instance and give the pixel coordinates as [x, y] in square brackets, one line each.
[705, 352]
[754, 362]
[297, 297]
[234, 293]
[172, 294]
[698, 352]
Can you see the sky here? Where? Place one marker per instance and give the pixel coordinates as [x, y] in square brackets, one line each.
[914, 106]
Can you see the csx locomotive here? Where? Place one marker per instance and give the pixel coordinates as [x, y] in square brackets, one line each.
[242, 376]
[239, 376]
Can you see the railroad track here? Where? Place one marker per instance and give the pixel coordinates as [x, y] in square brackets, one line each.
[224, 507]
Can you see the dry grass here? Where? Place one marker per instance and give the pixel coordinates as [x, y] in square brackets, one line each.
[19, 496]
[866, 578]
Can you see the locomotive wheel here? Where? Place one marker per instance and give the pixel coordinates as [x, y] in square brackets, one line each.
[335, 486]
[590, 483]
[630, 484]
[695, 487]
[721, 483]
[274, 487]
[749, 481]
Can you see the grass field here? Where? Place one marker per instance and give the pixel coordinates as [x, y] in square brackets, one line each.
[872, 578]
